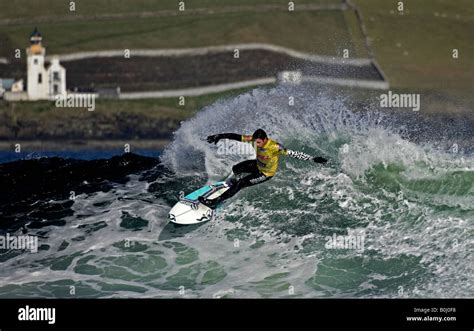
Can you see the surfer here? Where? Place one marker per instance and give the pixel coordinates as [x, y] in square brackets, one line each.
[261, 169]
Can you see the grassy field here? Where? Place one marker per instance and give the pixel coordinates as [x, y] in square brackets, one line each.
[191, 105]
[320, 32]
[31, 9]
[415, 49]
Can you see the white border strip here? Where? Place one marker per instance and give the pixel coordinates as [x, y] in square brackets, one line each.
[215, 49]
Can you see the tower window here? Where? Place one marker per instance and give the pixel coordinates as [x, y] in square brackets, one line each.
[40, 78]
[56, 75]
[55, 88]
[35, 61]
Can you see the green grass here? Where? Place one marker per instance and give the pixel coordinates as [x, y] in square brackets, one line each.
[357, 38]
[321, 32]
[167, 106]
[31, 9]
[415, 49]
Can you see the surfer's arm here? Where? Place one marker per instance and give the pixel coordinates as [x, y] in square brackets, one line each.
[215, 138]
[301, 155]
[298, 155]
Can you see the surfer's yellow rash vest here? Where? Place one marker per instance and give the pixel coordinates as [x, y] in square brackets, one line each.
[269, 154]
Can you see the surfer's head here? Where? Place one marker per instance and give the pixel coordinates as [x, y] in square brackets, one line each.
[260, 137]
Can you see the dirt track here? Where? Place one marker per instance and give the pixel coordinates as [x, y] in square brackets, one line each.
[164, 73]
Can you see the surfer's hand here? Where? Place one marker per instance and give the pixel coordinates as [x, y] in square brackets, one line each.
[319, 159]
[213, 139]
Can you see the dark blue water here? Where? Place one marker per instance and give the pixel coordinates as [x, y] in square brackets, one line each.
[10, 156]
[409, 203]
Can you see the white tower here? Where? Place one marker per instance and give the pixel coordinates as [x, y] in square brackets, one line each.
[37, 82]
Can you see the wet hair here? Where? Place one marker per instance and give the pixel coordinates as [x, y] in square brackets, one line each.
[259, 134]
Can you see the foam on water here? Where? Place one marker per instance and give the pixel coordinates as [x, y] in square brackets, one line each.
[413, 202]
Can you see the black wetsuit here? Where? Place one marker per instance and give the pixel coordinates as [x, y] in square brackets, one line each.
[259, 170]
[254, 177]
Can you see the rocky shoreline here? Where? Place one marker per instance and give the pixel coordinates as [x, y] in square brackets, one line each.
[44, 122]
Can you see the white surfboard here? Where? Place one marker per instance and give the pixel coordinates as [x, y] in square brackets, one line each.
[190, 211]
